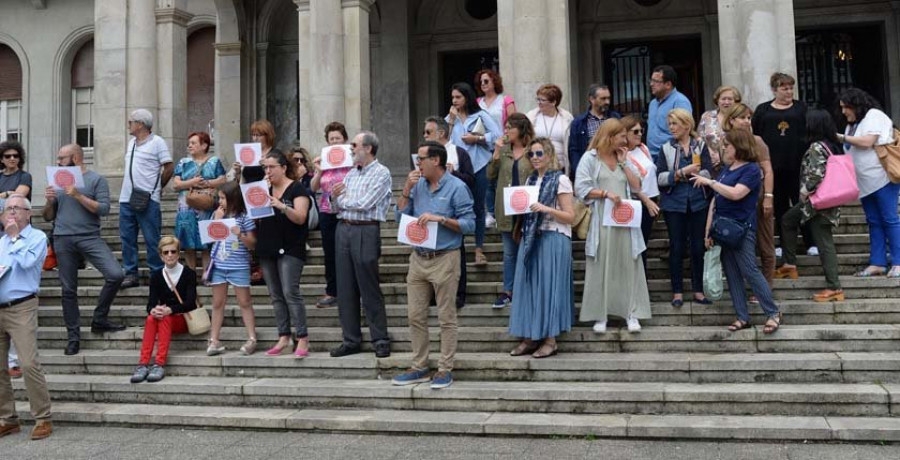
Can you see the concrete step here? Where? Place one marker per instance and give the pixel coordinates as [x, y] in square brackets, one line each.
[416, 422]
[637, 398]
[856, 311]
[487, 291]
[819, 338]
[839, 367]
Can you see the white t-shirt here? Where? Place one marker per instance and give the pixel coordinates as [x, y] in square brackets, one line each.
[641, 163]
[495, 110]
[554, 128]
[549, 224]
[870, 175]
[148, 159]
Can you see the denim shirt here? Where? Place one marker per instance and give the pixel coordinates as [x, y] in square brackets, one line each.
[479, 152]
[657, 122]
[682, 196]
[452, 200]
[25, 259]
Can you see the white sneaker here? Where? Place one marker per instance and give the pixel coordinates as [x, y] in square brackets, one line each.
[777, 252]
[812, 251]
[600, 327]
[633, 324]
[489, 220]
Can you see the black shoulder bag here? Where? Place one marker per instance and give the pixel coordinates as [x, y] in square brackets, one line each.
[139, 199]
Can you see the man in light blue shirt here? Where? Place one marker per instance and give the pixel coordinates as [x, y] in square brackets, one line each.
[444, 199]
[666, 98]
[22, 252]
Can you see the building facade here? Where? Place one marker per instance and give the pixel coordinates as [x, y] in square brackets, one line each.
[72, 70]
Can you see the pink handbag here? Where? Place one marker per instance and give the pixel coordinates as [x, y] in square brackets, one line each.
[838, 187]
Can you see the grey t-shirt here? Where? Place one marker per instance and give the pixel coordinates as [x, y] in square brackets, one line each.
[74, 219]
[10, 182]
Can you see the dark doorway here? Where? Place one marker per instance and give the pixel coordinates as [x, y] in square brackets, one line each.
[461, 66]
[628, 66]
[833, 59]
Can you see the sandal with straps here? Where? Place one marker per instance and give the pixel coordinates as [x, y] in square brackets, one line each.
[547, 350]
[867, 273]
[524, 348]
[776, 320]
[739, 325]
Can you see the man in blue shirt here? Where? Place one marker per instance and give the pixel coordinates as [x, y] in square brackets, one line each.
[444, 199]
[22, 253]
[666, 98]
[584, 126]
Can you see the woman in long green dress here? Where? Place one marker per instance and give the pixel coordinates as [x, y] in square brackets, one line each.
[614, 284]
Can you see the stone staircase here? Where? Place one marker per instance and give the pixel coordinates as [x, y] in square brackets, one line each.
[831, 373]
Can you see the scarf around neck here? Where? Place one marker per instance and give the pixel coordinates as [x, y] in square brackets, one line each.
[547, 197]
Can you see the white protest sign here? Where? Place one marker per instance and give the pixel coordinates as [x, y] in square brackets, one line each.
[256, 198]
[336, 156]
[60, 177]
[518, 200]
[248, 154]
[216, 230]
[626, 214]
[413, 234]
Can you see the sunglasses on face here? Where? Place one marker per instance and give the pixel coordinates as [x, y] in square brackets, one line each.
[300, 160]
[484, 82]
[166, 252]
[428, 132]
[538, 153]
[15, 155]
[637, 131]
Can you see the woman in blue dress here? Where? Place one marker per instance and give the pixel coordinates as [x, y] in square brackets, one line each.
[197, 171]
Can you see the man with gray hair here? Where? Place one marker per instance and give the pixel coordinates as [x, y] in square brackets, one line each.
[148, 168]
[362, 201]
[584, 126]
[76, 214]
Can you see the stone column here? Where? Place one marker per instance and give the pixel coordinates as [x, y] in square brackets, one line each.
[326, 73]
[228, 99]
[142, 75]
[171, 52]
[309, 134]
[262, 69]
[547, 43]
[357, 82]
[110, 70]
[756, 39]
[391, 117]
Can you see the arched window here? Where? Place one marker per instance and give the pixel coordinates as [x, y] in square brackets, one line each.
[201, 80]
[10, 95]
[83, 99]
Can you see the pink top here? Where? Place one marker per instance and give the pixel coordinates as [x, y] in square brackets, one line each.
[329, 178]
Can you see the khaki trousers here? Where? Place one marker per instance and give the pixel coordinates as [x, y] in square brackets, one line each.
[440, 275]
[765, 243]
[19, 323]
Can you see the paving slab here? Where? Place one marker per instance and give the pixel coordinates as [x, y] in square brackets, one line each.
[198, 416]
[389, 421]
[865, 429]
[728, 427]
[557, 424]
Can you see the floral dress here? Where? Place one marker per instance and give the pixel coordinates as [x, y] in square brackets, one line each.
[186, 228]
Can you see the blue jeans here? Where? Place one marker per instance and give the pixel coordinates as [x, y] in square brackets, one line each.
[740, 265]
[510, 252]
[491, 195]
[149, 222]
[686, 228]
[481, 187]
[884, 224]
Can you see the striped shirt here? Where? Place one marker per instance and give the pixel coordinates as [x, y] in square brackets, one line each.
[234, 255]
[367, 195]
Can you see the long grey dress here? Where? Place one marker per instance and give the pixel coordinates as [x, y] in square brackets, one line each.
[615, 284]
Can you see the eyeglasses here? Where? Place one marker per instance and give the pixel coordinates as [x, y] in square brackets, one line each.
[15, 155]
[542, 100]
[421, 159]
[428, 132]
[17, 209]
[166, 252]
[267, 167]
[538, 153]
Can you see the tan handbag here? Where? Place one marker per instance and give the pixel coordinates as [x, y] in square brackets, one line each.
[889, 156]
[201, 199]
[582, 221]
[198, 319]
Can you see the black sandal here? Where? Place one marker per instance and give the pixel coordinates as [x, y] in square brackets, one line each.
[739, 325]
[524, 349]
[777, 319]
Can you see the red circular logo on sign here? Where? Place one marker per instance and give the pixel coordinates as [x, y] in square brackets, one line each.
[217, 230]
[336, 156]
[247, 155]
[416, 233]
[64, 178]
[257, 196]
[519, 200]
[623, 213]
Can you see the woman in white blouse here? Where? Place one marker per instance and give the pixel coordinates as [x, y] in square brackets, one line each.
[552, 122]
[868, 126]
[641, 163]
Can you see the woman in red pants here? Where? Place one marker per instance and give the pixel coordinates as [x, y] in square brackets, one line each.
[166, 309]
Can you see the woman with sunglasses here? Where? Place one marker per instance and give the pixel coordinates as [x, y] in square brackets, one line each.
[510, 168]
[543, 284]
[300, 157]
[173, 292]
[14, 180]
[281, 247]
[641, 163]
[489, 86]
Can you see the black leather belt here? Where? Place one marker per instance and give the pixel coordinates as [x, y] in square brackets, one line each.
[14, 302]
[433, 254]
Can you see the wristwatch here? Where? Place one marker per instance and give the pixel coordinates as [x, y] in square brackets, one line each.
[443, 220]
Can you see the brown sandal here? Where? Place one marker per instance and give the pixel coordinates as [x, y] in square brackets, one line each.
[777, 320]
[545, 351]
[739, 325]
[527, 347]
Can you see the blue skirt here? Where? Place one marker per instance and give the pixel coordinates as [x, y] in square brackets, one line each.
[543, 291]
